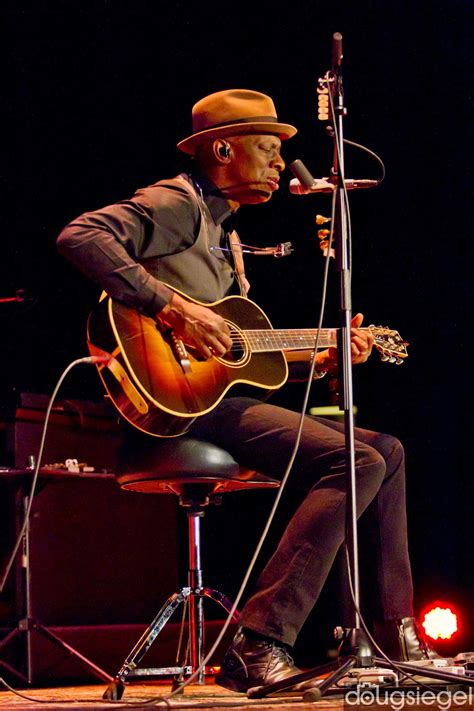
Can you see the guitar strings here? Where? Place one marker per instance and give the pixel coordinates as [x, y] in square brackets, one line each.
[257, 337]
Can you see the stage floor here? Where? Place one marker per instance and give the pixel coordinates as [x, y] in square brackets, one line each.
[141, 696]
[210, 696]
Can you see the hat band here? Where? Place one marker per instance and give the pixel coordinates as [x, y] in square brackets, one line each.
[250, 119]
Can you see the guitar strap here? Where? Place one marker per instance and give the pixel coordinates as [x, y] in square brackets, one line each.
[239, 268]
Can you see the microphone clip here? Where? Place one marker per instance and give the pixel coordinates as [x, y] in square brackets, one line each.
[284, 249]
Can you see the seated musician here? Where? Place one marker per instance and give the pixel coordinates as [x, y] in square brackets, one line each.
[181, 233]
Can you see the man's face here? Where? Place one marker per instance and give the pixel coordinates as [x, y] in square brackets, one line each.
[254, 168]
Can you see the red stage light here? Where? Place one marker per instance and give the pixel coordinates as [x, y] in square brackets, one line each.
[440, 621]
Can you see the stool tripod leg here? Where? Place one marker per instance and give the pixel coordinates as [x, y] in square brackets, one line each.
[115, 690]
[222, 600]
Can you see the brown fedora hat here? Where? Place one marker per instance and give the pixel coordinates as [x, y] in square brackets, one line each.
[234, 112]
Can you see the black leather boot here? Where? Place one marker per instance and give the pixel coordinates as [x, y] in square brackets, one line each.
[403, 640]
[252, 661]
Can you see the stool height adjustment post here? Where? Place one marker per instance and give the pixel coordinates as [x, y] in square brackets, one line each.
[195, 601]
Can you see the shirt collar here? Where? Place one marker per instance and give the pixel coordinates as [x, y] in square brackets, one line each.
[217, 204]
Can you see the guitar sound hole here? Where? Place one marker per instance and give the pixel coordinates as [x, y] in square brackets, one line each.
[239, 353]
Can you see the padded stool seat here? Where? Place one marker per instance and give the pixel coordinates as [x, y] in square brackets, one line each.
[198, 472]
[169, 466]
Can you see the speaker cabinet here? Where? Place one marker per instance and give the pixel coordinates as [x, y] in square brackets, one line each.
[98, 556]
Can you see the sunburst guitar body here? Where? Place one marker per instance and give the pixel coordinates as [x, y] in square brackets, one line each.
[160, 386]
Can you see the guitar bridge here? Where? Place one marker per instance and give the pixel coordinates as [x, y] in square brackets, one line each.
[180, 352]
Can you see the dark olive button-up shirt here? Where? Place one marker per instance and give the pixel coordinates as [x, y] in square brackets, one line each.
[110, 244]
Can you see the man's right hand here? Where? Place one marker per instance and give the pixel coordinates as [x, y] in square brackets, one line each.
[197, 326]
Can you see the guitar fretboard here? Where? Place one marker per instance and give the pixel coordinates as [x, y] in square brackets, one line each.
[288, 339]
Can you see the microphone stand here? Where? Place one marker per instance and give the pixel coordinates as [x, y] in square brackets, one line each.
[355, 640]
[355, 644]
[355, 650]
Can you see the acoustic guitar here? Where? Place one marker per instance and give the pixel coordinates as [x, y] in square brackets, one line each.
[160, 386]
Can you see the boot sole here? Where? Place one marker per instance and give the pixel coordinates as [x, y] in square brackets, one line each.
[241, 688]
[231, 684]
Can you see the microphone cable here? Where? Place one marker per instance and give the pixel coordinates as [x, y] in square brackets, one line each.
[284, 480]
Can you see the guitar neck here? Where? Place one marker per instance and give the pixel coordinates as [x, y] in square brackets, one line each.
[289, 339]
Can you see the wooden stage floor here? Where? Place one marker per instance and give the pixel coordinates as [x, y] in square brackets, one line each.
[142, 696]
[146, 696]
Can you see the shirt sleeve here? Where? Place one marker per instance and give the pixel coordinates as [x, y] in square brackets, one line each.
[107, 245]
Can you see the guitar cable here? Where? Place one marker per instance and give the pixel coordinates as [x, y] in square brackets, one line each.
[88, 360]
[91, 360]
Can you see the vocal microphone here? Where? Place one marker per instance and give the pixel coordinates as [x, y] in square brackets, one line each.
[323, 185]
[303, 183]
[336, 52]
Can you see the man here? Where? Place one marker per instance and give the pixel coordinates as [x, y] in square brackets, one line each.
[179, 232]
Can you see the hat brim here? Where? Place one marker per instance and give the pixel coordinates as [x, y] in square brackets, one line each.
[282, 130]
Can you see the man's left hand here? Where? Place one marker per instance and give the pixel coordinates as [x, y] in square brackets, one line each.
[362, 342]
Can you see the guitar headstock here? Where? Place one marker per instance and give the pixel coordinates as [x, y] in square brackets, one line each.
[390, 344]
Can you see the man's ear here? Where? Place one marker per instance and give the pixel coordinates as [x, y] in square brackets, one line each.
[222, 150]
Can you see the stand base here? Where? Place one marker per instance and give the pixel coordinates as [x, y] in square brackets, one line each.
[24, 629]
[358, 665]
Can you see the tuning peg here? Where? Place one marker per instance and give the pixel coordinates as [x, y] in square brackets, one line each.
[323, 245]
[399, 361]
[384, 357]
[322, 234]
[321, 220]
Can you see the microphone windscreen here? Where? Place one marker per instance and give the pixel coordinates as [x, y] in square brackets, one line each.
[336, 53]
[300, 171]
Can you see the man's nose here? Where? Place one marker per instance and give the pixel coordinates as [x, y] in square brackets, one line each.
[278, 163]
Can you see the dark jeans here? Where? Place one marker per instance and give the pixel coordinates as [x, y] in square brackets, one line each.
[261, 436]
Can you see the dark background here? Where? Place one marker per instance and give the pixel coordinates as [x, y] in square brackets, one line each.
[96, 95]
